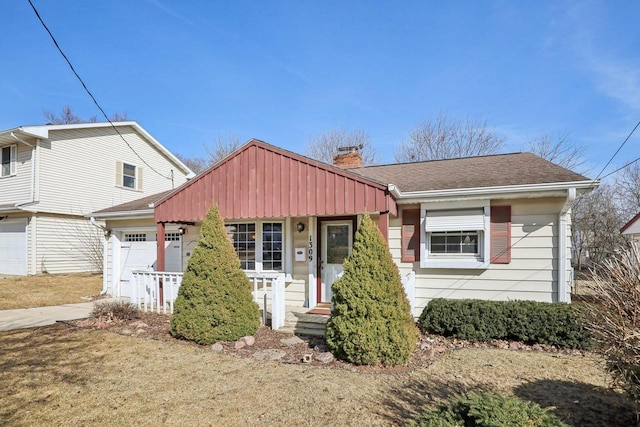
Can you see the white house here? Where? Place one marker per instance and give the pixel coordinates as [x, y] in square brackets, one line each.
[632, 229]
[52, 175]
[492, 227]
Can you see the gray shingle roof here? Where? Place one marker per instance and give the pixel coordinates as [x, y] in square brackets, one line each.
[135, 205]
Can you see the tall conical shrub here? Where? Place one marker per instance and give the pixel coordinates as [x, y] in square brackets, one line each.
[214, 301]
[371, 320]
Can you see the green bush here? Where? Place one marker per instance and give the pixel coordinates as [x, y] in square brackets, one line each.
[528, 321]
[214, 301]
[371, 322]
[488, 410]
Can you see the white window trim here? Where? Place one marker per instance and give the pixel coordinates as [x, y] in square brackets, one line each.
[428, 260]
[13, 156]
[135, 176]
[285, 244]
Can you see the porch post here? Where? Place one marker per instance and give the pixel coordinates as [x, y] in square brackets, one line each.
[383, 225]
[160, 259]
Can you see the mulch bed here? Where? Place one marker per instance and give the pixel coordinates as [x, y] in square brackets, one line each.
[157, 326]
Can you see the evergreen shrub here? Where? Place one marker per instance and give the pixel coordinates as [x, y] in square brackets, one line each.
[488, 410]
[555, 324]
[371, 321]
[214, 301]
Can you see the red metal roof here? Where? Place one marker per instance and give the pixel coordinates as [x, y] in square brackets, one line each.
[262, 181]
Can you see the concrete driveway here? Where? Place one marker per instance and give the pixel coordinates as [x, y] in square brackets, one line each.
[42, 316]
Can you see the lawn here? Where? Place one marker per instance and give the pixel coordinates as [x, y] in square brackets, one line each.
[47, 289]
[63, 375]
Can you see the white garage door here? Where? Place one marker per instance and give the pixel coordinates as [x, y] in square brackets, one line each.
[138, 252]
[13, 247]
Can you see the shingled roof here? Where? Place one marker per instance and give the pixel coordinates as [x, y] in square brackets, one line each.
[470, 172]
[135, 205]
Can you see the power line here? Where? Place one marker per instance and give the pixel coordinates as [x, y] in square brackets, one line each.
[55, 42]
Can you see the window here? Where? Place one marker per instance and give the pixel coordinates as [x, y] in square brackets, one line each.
[128, 176]
[258, 245]
[469, 237]
[135, 237]
[8, 165]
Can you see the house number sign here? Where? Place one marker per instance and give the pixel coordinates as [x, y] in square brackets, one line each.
[310, 251]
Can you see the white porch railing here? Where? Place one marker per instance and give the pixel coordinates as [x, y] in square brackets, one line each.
[409, 284]
[146, 290]
[261, 293]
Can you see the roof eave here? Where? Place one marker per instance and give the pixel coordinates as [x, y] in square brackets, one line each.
[509, 191]
[135, 214]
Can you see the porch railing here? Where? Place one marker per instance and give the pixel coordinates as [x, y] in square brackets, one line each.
[146, 291]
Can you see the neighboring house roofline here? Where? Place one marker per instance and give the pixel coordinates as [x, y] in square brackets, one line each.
[42, 132]
[629, 224]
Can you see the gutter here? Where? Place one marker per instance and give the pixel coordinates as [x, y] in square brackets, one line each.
[137, 214]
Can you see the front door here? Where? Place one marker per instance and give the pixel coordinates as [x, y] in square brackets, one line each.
[337, 242]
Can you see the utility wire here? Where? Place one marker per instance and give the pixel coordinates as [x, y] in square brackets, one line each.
[55, 42]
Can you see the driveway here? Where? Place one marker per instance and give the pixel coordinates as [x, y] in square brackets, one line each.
[42, 316]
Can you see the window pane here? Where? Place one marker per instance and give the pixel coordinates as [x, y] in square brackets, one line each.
[129, 182]
[244, 242]
[271, 246]
[6, 161]
[129, 170]
[337, 243]
[454, 242]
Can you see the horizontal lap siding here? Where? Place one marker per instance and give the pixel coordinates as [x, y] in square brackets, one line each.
[17, 188]
[261, 182]
[531, 274]
[78, 170]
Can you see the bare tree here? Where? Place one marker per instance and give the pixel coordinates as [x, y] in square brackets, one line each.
[443, 138]
[561, 151]
[628, 191]
[324, 146]
[67, 116]
[596, 223]
[214, 152]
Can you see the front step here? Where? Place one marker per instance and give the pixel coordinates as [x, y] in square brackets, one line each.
[304, 323]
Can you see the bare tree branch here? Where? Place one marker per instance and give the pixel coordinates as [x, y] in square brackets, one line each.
[561, 151]
[68, 117]
[628, 191]
[442, 138]
[324, 146]
[216, 151]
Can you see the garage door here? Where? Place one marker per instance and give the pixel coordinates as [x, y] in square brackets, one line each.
[138, 252]
[13, 247]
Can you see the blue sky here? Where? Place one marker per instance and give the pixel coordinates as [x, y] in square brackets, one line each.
[282, 71]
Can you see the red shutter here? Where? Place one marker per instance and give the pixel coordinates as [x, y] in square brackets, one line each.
[500, 234]
[410, 235]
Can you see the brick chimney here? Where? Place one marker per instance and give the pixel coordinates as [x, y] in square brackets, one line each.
[349, 160]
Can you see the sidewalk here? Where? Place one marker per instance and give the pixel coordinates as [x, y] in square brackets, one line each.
[42, 316]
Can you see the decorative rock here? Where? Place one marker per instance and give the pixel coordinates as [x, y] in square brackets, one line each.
[239, 344]
[269, 354]
[217, 347]
[126, 331]
[430, 353]
[138, 324]
[321, 348]
[440, 349]
[325, 357]
[514, 345]
[249, 340]
[425, 346]
[292, 341]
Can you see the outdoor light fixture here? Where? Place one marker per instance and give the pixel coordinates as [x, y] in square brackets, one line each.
[107, 233]
[182, 230]
[300, 227]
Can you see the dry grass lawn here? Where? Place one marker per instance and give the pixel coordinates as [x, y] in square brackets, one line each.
[61, 375]
[47, 289]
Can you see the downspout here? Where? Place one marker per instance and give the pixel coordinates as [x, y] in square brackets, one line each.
[33, 168]
[563, 280]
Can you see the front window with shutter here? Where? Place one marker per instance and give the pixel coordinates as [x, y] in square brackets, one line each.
[128, 175]
[8, 157]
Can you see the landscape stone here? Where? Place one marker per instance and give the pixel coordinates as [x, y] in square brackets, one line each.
[139, 324]
[321, 348]
[269, 354]
[126, 331]
[440, 349]
[217, 347]
[239, 344]
[430, 353]
[249, 340]
[515, 345]
[292, 340]
[326, 357]
[424, 345]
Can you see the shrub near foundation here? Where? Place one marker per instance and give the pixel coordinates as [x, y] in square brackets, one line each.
[214, 301]
[528, 321]
[371, 322]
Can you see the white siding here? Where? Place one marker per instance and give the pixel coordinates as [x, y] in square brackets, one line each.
[78, 169]
[531, 274]
[17, 188]
[67, 244]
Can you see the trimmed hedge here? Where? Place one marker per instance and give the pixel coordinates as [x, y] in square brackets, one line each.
[488, 410]
[532, 322]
